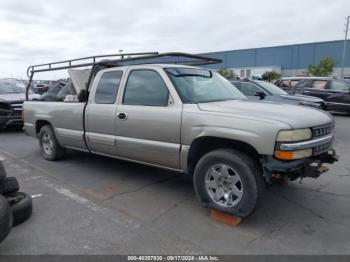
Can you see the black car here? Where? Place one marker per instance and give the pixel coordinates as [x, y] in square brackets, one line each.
[335, 92]
[12, 96]
[262, 90]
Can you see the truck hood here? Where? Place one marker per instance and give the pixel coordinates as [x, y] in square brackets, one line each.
[292, 115]
[17, 97]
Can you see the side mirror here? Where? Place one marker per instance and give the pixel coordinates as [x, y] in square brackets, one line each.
[260, 94]
[82, 96]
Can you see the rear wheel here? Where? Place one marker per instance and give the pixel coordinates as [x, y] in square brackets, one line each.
[229, 181]
[50, 148]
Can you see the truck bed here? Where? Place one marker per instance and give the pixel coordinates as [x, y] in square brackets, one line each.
[65, 118]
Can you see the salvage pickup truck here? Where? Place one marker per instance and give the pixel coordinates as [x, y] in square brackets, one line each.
[187, 119]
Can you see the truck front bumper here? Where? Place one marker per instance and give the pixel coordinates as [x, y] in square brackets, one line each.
[306, 167]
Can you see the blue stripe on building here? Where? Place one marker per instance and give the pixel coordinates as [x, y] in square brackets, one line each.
[288, 57]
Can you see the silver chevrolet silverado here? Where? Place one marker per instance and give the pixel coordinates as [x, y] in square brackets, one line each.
[191, 120]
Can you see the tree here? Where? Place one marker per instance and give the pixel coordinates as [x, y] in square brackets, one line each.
[227, 73]
[324, 68]
[271, 75]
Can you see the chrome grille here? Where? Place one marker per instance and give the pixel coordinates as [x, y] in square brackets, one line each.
[322, 130]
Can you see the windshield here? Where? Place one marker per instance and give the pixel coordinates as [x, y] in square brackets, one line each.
[271, 88]
[202, 86]
[11, 87]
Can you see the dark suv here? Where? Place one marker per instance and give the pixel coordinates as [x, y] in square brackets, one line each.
[335, 92]
[265, 91]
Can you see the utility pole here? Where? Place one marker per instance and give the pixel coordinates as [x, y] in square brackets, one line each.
[121, 52]
[344, 47]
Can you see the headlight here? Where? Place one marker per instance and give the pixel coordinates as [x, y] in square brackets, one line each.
[294, 135]
[291, 155]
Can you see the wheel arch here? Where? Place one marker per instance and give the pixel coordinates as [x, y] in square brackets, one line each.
[205, 144]
[39, 124]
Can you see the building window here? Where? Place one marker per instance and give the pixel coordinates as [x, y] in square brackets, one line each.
[248, 73]
[241, 74]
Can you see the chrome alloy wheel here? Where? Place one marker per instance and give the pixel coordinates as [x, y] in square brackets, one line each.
[47, 144]
[224, 185]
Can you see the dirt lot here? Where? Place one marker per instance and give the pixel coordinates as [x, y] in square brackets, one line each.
[89, 204]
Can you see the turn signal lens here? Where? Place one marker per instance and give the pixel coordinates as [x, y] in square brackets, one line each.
[291, 155]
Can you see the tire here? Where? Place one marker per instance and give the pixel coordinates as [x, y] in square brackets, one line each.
[9, 185]
[50, 148]
[2, 170]
[237, 177]
[6, 219]
[21, 205]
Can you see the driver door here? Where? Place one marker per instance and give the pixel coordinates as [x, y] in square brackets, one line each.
[148, 120]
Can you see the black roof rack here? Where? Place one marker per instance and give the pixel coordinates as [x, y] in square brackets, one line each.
[132, 58]
[100, 61]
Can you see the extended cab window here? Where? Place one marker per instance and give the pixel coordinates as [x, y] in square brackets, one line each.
[107, 88]
[145, 88]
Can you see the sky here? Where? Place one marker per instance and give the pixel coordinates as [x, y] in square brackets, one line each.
[40, 31]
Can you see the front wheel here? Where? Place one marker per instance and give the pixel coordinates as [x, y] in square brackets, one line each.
[50, 148]
[229, 181]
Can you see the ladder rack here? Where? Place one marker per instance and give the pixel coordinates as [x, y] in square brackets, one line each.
[121, 60]
[190, 59]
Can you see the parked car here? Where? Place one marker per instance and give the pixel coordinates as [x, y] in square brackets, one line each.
[262, 90]
[190, 120]
[12, 95]
[335, 92]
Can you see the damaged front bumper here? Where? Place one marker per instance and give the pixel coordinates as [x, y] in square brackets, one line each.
[307, 167]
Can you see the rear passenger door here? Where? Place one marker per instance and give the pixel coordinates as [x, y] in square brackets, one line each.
[148, 120]
[100, 114]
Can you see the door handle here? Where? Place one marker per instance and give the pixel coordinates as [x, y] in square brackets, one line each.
[122, 116]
